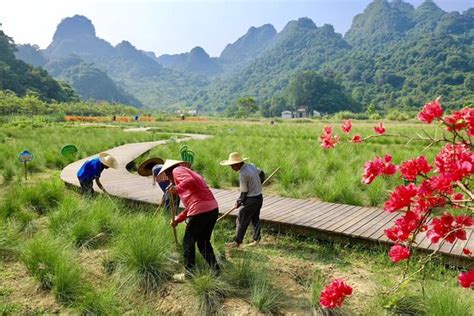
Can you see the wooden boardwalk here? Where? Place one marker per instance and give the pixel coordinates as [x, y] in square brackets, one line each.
[325, 220]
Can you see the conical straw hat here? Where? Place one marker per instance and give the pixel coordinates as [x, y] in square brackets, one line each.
[168, 164]
[145, 168]
[234, 158]
[108, 160]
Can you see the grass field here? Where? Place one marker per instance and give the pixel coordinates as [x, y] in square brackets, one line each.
[307, 170]
[62, 253]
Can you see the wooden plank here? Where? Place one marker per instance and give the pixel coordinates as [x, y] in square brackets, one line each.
[276, 210]
[309, 222]
[296, 214]
[338, 218]
[317, 222]
[468, 243]
[353, 220]
[384, 218]
[312, 213]
[363, 225]
[381, 232]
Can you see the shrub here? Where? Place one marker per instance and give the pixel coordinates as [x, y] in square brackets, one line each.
[396, 115]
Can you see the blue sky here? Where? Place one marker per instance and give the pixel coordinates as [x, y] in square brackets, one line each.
[165, 26]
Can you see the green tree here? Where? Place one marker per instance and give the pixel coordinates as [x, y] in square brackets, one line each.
[308, 88]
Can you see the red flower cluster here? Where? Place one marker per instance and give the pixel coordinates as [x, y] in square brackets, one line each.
[328, 140]
[404, 226]
[461, 120]
[455, 162]
[346, 126]
[357, 139]
[431, 111]
[412, 168]
[379, 129]
[398, 253]
[334, 294]
[401, 197]
[449, 227]
[466, 279]
[373, 169]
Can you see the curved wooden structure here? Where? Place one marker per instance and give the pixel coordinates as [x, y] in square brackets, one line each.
[328, 221]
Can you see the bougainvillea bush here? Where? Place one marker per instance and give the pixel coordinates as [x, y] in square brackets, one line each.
[436, 197]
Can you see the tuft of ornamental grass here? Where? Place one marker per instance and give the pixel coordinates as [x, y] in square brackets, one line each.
[87, 223]
[241, 273]
[26, 202]
[102, 302]
[53, 265]
[405, 303]
[208, 291]
[444, 300]
[9, 241]
[265, 297]
[142, 251]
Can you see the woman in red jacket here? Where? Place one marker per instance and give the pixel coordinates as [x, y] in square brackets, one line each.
[200, 212]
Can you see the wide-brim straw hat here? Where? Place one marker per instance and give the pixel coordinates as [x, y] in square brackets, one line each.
[169, 163]
[108, 160]
[234, 158]
[146, 167]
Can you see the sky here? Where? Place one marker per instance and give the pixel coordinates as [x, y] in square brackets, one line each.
[171, 27]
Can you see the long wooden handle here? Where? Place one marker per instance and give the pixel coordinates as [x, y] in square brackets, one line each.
[227, 213]
[270, 176]
[173, 214]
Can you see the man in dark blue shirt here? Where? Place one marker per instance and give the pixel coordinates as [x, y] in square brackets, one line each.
[92, 169]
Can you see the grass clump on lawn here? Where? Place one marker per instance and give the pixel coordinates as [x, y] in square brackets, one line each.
[208, 291]
[87, 223]
[24, 203]
[53, 265]
[142, 251]
[442, 301]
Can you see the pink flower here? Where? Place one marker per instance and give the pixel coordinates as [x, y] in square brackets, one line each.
[373, 169]
[455, 162]
[401, 197]
[448, 227]
[404, 226]
[379, 129]
[357, 139]
[398, 253]
[347, 126]
[412, 168]
[466, 279]
[328, 140]
[467, 252]
[431, 111]
[334, 294]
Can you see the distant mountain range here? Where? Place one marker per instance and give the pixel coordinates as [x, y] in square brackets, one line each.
[394, 55]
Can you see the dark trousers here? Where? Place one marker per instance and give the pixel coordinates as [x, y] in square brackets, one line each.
[249, 213]
[87, 187]
[198, 231]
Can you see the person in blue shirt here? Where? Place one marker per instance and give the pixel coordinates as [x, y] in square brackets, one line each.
[163, 186]
[92, 169]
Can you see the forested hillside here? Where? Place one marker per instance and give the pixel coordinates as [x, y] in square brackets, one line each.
[393, 56]
[24, 79]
